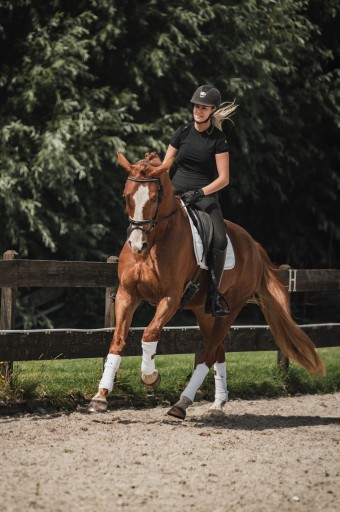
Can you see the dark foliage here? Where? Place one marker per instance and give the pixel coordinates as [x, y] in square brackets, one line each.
[81, 80]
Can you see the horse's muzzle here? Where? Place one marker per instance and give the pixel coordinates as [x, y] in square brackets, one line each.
[136, 248]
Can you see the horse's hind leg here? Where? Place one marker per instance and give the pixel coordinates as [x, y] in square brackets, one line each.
[214, 330]
[221, 390]
[220, 369]
[207, 325]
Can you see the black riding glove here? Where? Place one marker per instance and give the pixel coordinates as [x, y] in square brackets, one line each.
[192, 196]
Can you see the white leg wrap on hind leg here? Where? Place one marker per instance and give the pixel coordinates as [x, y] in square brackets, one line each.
[110, 369]
[184, 402]
[196, 381]
[220, 374]
[148, 359]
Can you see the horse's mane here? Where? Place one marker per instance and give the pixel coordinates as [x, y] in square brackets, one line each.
[151, 158]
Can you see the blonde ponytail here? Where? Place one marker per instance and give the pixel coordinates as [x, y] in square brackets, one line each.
[225, 111]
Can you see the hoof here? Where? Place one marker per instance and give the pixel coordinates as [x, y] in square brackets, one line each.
[177, 412]
[153, 384]
[216, 409]
[215, 413]
[97, 405]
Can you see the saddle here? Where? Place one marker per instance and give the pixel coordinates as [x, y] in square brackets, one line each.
[204, 226]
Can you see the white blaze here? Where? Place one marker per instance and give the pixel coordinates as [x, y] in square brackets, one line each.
[137, 237]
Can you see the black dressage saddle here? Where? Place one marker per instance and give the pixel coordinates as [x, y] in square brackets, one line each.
[204, 226]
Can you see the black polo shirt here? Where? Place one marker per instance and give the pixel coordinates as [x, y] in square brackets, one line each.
[196, 156]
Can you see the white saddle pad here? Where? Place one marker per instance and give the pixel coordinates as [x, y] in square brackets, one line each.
[198, 249]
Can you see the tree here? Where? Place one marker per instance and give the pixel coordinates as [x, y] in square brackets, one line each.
[81, 80]
[60, 128]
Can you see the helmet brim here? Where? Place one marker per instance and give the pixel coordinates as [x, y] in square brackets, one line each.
[203, 103]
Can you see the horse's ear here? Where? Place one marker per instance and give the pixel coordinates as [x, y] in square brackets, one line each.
[124, 162]
[158, 171]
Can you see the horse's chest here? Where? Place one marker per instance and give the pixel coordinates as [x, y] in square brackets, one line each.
[144, 280]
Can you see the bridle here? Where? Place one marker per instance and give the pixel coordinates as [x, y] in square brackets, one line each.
[154, 221]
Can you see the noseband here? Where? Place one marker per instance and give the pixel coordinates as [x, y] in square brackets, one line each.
[152, 222]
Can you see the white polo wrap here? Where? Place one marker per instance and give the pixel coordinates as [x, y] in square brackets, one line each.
[110, 369]
[196, 381]
[148, 359]
[220, 374]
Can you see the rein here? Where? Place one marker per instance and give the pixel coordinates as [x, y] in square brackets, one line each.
[154, 221]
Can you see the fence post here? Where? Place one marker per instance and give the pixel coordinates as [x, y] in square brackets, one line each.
[110, 296]
[7, 318]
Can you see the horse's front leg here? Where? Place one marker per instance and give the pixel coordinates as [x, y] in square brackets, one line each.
[126, 305]
[164, 312]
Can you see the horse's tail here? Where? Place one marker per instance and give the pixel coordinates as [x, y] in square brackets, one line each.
[274, 303]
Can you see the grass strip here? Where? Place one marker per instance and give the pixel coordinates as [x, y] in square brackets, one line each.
[251, 375]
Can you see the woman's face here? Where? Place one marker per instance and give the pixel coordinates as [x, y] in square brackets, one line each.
[201, 112]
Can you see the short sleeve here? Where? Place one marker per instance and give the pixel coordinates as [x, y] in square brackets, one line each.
[176, 138]
[222, 145]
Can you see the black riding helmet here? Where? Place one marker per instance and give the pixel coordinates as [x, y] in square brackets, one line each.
[207, 95]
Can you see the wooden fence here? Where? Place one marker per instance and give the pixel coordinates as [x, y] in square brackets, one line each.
[23, 345]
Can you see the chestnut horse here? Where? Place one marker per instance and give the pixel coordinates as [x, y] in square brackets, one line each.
[156, 263]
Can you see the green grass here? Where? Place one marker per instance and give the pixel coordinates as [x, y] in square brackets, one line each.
[250, 375]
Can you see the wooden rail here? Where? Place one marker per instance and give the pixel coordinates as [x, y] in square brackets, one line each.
[20, 345]
[19, 273]
[26, 345]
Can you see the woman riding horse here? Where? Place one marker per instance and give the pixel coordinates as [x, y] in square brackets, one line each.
[203, 170]
[155, 265]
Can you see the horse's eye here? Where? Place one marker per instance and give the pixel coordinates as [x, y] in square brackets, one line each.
[154, 199]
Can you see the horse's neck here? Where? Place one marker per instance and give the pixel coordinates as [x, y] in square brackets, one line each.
[169, 203]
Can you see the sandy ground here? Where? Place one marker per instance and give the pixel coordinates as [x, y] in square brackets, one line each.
[264, 455]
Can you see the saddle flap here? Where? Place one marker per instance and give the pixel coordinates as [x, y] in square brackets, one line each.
[198, 245]
[204, 226]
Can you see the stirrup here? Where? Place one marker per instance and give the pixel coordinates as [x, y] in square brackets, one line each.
[219, 311]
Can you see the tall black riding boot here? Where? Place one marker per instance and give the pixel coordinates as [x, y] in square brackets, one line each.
[213, 306]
